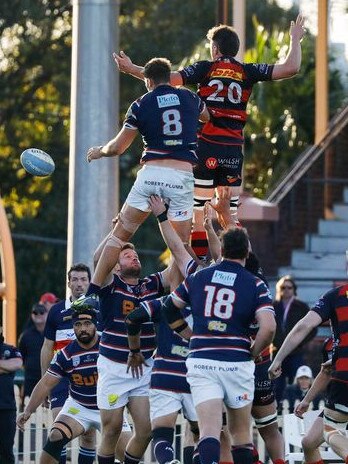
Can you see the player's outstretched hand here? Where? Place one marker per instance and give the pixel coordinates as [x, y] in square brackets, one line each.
[22, 419]
[157, 205]
[135, 364]
[297, 30]
[301, 408]
[207, 215]
[124, 63]
[275, 370]
[94, 153]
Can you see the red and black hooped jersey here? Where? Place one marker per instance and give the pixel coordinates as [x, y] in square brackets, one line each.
[225, 85]
[333, 306]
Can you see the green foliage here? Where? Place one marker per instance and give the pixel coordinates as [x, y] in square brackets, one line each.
[34, 93]
[35, 49]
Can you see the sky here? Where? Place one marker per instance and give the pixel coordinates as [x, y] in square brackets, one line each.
[338, 18]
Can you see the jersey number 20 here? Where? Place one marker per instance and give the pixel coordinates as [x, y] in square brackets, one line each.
[219, 302]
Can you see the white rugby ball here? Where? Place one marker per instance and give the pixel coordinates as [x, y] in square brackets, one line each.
[37, 162]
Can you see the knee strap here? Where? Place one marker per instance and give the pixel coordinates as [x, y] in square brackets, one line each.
[54, 448]
[127, 224]
[194, 428]
[265, 421]
[163, 433]
[115, 242]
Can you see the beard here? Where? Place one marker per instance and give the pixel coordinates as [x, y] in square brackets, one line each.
[131, 272]
[85, 338]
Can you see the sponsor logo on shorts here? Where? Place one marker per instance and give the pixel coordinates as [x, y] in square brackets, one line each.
[243, 397]
[112, 399]
[211, 163]
[73, 410]
[164, 184]
[180, 213]
[170, 99]
[215, 368]
[224, 278]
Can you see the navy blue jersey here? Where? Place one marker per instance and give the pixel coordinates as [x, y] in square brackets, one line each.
[79, 365]
[57, 329]
[169, 369]
[167, 119]
[333, 306]
[224, 300]
[7, 398]
[225, 85]
[116, 301]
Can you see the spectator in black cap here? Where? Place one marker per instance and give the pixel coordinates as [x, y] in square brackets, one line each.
[10, 361]
[30, 344]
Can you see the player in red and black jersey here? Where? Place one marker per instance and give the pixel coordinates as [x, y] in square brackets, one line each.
[333, 306]
[225, 85]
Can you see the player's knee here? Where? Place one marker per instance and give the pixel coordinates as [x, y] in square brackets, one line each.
[266, 421]
[124, 221]
[194, 429]
[163, 433]
[57, 439]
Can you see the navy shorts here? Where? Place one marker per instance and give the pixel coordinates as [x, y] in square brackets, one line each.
[59, 394]
[264, 387]
[218, 165]
[337, 398]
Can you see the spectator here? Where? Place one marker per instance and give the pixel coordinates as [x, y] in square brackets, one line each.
[298, 390]
[30, 343]
[48, 300]
[288, 311]
[10, 361]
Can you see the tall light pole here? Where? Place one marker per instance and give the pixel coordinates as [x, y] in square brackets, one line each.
[93, 189]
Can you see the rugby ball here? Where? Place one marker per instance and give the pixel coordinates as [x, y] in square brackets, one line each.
[37, 162]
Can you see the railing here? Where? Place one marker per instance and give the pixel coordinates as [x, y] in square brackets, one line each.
[308, 158]
[29, 444]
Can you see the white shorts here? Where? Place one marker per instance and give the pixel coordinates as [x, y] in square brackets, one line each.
[164, 402]
[115, 385]
[231, 381]
[174, 186]
[88, 418]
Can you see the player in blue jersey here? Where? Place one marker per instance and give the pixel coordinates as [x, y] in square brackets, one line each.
[225, 85]
[333, 306]
[224, 300]
[59, 333]
[169, 392]
[77, 362]
[121, 293]
[167, 119]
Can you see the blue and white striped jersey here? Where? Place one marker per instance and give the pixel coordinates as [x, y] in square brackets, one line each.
[116, 301]
[224, 300]
[79, 365]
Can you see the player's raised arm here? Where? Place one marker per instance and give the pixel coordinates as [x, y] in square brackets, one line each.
[292, 63]
[126, 65]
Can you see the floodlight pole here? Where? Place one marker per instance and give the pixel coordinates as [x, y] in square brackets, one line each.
[93, 188]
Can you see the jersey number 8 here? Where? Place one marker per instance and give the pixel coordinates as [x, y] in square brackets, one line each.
[171, 122]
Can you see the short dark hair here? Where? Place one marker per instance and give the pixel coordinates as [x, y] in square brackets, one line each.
[226, 38]
[158, 69]
[79, 267]
[235, 243]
